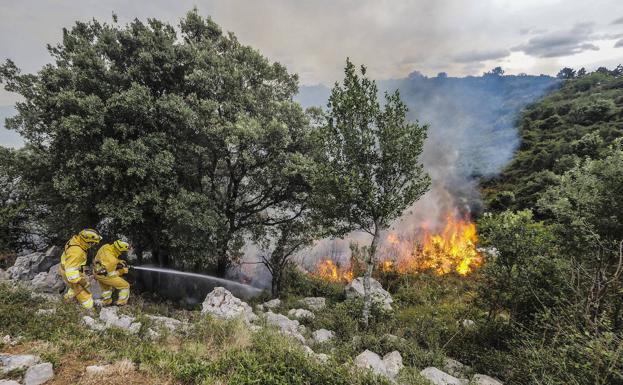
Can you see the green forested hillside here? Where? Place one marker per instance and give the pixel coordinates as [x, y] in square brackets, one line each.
[579, 120]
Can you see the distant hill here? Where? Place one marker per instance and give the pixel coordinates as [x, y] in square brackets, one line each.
[8, 138]
[579, 120]
[471, 118]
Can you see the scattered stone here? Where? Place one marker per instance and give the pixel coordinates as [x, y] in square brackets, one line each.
[152, 334]
[9, 382]
[48, 282]
[39, 374]
[322, 335]
[4, 276]
[481, 379]
[8, 340]
[313, 303]
[287, 326]
[393, 363]
[9, 362]
[222, 304]
[111, 318]
[455, 368]
[45, 312]
[272, 304]
[28, 266]
[170, 323]
[93, 324]
[96, 370]
[371, 360]
[255, 328]
[301, 313]
[468, 323]
[324, 358]
[388, 366]
[47, 297]
[437, 377]
[379, 295]
[321, 357]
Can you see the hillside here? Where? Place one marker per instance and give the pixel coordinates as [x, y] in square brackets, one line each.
[471, 119]
[579, 120]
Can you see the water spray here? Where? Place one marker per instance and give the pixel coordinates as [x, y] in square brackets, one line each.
[233, 286]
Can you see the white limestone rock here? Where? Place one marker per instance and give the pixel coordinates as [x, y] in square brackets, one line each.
[301, 314]
[45, 312]
[96, 370]
[286, 326]
[455, 368]
[9, 362]
[27, 266]
[393, 363]
[468, 323]
[313, 303]
[224, 305]
[171, 324]
[481, 379]
[379, 295]
[437, 377]
[322, 335]
[388, 366]
[93, 324]
[270, 305]
[48, 282]
[39, 374]
[9, 382]
[4, 276]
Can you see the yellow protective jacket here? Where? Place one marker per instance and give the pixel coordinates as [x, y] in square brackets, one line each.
[107, 258]
[74, 257]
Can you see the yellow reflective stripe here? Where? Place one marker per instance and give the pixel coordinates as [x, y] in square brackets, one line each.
[72, 276]
[124, 293]
[106, 294]
[88, 303]
[72, 269]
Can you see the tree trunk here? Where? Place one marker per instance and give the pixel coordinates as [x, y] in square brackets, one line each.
[370, 264]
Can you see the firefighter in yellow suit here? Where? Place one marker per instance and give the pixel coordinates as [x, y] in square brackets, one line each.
[71, 270]
[109, 268]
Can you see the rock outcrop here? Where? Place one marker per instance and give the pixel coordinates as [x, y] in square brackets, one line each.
[388, 366]
[4, 276]
[109, 317]
[322, 335]
[455, 368]
[287, 326]
[300, 313]
[9, 362]
[171, 324]
[313, 303]
[28, 266]
[437, 377]
[39, 374]
[269, 305]
[481, 379]
[48, 282]
[379, 295]
[222, 304]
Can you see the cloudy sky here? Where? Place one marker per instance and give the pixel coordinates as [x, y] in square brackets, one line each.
[392, 37]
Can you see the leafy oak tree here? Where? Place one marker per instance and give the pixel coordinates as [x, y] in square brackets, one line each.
[369, 169]
[183, 139]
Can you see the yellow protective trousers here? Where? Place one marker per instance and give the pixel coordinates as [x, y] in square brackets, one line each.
[78, 290]
[108, 283]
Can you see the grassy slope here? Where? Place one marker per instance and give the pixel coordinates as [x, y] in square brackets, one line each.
[427, 322]
[551, 138]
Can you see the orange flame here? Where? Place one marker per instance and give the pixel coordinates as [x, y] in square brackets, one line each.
[453, 249]
[329, 271]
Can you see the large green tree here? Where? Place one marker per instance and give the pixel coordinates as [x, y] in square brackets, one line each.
[369, 168]
[181, 138]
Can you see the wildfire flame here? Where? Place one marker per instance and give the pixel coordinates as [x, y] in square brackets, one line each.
[329, 271]
[453, 249]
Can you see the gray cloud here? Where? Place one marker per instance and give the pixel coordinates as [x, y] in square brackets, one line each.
[313, 38]
[561, 43]
[618, 21]
[477, 56]
[619, 44]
